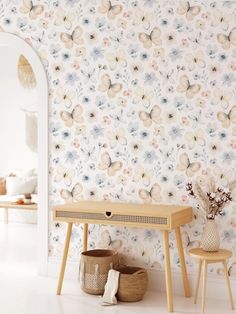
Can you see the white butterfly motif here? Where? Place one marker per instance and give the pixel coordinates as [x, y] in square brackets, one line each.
[109, 9]
[70, 117]
[151, 195]
[106, 241]
[184, 164]
[107, 164]
[107, 86]
[227, 40]
[73, 195]
[153, 38]
[32, 10]
[74, 38]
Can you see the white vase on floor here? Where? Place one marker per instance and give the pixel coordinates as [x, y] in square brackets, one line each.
[211, 238]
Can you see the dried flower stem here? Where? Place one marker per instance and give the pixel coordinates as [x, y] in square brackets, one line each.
[213, 201]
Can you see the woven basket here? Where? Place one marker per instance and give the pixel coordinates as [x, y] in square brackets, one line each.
[94, 267]
[133, 282]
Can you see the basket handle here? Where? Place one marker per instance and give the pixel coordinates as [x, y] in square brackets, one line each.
[140, 271]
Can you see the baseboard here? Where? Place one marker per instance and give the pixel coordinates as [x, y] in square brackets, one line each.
[216, 285]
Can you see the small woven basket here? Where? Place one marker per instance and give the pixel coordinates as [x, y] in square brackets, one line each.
[133, 282]
[94, 268]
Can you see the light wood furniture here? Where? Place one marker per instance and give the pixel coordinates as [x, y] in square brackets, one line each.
[163, 217]
[7, 205]
[206, 258]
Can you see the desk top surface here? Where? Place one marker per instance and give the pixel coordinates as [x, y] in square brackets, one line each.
[122, 208]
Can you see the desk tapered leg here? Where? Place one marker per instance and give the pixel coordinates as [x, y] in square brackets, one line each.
[169, 290]
[85, 238]
[65, 254]
[182, 262]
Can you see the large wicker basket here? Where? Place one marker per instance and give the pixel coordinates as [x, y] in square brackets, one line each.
[133, 282]
[94, 268]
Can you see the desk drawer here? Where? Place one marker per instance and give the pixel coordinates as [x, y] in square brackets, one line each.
[108, 217]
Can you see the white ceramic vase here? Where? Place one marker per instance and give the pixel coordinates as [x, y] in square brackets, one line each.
[210, 238]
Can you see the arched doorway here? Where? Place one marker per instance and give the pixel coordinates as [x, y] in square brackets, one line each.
[15, 42]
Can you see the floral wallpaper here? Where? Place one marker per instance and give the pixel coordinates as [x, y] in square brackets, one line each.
[142, 100]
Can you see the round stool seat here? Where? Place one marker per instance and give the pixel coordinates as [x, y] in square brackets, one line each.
[210, 256]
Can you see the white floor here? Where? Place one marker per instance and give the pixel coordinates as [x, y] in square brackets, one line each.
[23, 292]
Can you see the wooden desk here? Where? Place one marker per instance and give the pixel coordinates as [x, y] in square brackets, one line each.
[163, 217]
[7, 204]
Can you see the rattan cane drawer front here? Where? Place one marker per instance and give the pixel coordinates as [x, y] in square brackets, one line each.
[113, 218]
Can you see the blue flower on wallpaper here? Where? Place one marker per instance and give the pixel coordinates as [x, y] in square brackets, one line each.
[179, 181]
[97, 131]
[228, 79]
[72, 3]
[150, 3]
[150, 78]
[66, 135]
[179, 24]
[211, 129]
[85, 178]
[228, 157]
[54, 50]
[222, 57]
[144, 134]
[176, 54]
[71, 78]
[66, 56]
[22, 24]
[54, 128]
[144, 56]
[229, 235]
[97, 53]
[71, 156]
[164, 100]
[149, 234]
[222, 135]
[133, 50]
[179, 103]
[132, 128]
[150, 157]
[100, 23]
[86, 100]
[176, 132]
[100, 179]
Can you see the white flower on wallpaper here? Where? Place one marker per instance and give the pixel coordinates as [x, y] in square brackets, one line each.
[142, 99]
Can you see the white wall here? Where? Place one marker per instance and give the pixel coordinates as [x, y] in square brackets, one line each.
[15, 155]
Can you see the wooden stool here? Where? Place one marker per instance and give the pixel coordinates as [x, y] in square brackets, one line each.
[206, 258]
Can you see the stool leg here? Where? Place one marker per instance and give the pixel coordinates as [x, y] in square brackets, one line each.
[198, 280]
[204, 286]
[228, 285]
